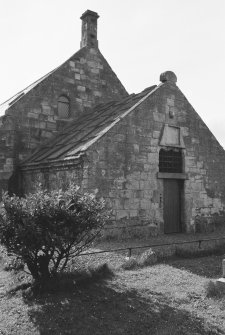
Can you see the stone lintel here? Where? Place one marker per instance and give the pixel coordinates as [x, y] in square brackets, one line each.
[168, 175]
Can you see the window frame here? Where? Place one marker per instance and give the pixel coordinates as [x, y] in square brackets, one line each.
[63, 101]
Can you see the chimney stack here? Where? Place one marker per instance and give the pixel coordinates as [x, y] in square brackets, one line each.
[89, 29]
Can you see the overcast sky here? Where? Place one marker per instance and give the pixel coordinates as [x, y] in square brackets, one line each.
[139, 39]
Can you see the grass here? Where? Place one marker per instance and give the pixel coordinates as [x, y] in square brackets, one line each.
[167, 298]
[149, 257]
[213, 290]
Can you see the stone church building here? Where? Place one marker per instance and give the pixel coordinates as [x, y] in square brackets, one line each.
[149, 155]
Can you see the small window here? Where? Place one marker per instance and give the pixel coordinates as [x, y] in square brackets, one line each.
[170, 161]
[63, 107]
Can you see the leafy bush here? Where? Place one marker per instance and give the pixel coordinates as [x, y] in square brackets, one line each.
[46, 229]
[147, 258]
[130, 264]
[14, 263]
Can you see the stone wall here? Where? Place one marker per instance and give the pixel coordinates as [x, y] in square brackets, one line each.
[52, 178]
[86, 79]
[124, 164]
[8, 140]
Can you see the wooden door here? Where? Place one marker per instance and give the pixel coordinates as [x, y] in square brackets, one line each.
[172, 206]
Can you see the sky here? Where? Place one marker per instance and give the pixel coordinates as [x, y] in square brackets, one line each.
[140, 39]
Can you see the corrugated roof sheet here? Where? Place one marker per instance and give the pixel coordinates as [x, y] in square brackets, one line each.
[81, 133]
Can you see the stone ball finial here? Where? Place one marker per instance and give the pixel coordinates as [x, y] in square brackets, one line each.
[168, 76]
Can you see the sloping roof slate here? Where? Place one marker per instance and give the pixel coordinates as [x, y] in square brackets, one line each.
[80, 134]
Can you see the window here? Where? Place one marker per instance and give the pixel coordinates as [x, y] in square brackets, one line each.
[63, 107]
[170, 161]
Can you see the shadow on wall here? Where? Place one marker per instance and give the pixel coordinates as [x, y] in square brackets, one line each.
[99, 309]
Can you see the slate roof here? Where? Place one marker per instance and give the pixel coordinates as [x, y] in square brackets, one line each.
[72, 142]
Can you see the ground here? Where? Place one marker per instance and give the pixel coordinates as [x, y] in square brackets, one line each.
[167, 298]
